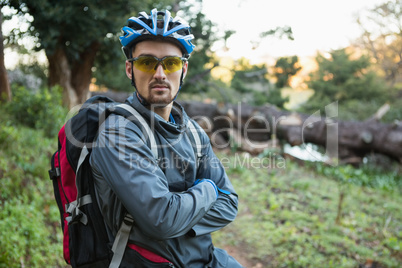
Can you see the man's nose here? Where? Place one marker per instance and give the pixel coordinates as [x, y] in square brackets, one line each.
[160, 72]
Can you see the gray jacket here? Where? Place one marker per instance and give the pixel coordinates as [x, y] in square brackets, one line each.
[172, 217]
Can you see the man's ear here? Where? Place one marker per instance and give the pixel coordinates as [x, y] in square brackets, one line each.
[129, 67]
[185, 68]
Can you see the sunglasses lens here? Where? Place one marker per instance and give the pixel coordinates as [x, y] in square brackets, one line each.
[172, 64]
[146, 64]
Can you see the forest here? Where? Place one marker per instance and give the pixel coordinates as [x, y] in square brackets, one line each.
[313, 148]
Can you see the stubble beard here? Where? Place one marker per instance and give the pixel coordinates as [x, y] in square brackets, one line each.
[160, 98]
[164, 98]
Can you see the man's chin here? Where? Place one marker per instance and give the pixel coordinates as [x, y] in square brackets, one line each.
[160, 102]
[164, 98]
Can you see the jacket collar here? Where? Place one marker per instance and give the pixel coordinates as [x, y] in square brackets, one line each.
[167, 129]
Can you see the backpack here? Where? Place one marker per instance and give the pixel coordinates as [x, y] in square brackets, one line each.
[85, 238]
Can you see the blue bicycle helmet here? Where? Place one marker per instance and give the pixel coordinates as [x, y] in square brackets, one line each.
[145, 27]
[158, 25]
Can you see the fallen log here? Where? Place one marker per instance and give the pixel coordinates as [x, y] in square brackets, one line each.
[349, 141]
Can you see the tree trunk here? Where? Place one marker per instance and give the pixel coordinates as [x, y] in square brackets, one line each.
[5, 92]
[340, 205]
[81, 73]
[74, 77]
[60, 74]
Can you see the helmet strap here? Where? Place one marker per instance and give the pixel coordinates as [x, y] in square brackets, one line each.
[181, 83]
[132, 69]
[132, 76]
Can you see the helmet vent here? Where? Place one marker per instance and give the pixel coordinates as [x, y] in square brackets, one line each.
[160, 17]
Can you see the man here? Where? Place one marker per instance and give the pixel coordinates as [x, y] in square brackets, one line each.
[176, 203]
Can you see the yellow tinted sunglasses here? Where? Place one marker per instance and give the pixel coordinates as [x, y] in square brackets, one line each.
[148, 64]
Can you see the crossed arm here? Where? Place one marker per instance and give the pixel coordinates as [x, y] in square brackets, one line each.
[144, 192]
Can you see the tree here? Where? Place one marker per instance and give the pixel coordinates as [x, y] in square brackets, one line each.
[5, 92]
[109, 67]
[340, 78]
[72, 33]
[246, 76]
[382, 37]
[284, 69]
[278, 32]
[251, 82]
[204, 37]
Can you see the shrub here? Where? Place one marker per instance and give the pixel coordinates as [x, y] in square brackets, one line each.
[366, 175]
[30, 233]
[40, 109]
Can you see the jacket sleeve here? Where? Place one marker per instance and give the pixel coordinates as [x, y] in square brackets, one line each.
[224, 210]
[122, 158]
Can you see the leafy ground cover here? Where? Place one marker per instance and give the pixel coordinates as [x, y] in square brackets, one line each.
[29, 220]
[287, 218]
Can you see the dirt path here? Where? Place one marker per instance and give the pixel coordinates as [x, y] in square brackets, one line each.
[241, 256]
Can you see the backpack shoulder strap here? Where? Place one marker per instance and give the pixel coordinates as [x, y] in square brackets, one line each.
[138, 117]
[123, 234]
[197, 140]
[120, 241]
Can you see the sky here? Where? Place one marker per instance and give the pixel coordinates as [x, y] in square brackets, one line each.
[316, 24]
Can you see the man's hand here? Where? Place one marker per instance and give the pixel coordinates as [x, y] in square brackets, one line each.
[217, 189]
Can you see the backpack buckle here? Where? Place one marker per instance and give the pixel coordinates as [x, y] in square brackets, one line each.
[54, 173]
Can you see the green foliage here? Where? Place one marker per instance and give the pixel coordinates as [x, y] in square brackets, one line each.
[367, 176]
[41, 109]
[287, 219]
[340, 78]
[251, 82]
[245, 75]
[36, 69]
[110, 68]
[274, 97]
[284, 69]
[75, 25]
[23, 231]
[358, 110]
[280, 32]
[79, 27]
[204, 32]
[338, 75]
[395, 112]
[29, 221]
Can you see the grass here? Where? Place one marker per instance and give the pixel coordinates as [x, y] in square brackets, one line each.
[287, 219]
[29, 221]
